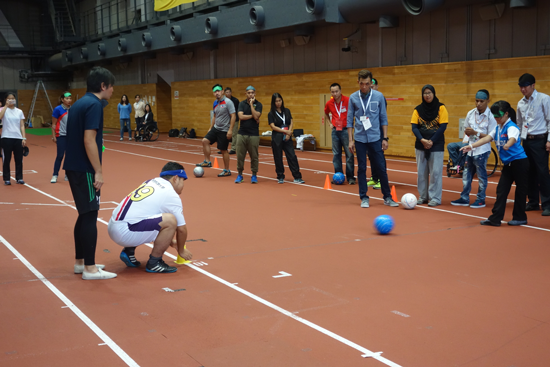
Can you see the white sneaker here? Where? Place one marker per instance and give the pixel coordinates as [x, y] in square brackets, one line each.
[365, 203]
[54, 179]
[121, 139]
[130, 139]
[79, 269]
[101, 274]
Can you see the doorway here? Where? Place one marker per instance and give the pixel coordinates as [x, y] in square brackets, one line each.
[325, 127]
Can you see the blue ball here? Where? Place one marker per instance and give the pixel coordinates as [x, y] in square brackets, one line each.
[384, 224]
[338, 178]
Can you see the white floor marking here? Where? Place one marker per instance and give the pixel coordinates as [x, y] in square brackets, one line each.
[366, 352]
[108, 341]
[320, 188]
[282, 274]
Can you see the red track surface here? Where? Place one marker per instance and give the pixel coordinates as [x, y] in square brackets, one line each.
[441, 290]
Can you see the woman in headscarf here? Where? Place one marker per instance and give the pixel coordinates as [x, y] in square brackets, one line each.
[429, 121]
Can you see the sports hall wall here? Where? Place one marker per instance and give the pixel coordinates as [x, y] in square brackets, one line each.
[455, 85]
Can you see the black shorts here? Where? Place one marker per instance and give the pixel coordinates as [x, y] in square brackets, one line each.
[215, 135]
[86, 198]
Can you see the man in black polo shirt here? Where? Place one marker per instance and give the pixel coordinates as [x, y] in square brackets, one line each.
[83, 168]
[248, 139]
[229, 94]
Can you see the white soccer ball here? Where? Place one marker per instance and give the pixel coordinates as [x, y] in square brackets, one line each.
[408, 201]
[198, 171]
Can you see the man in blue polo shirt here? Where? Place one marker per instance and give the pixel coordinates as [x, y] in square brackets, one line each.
[83, 168]
[368, 108]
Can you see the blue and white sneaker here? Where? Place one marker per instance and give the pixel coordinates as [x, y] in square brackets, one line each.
[129, 260]
[160, 267]
[254, 179]
[239, 179]
[478, 204]
[461, 202]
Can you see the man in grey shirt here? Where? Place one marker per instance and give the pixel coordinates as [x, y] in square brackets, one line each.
[221, 129]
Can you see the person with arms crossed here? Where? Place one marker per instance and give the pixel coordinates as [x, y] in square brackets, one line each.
[248, 140]
[139, 108]
[13, 139]
[337, 107]
[60, 115]
[280, 121]
[429, 122]
[534, 125]
[84, 168]
[368, 108]
[221, 129]
[514, 159]
[478, 124]
[152, 213]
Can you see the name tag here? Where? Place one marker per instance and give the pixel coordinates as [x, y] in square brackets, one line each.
[524, 131]
[366, 122]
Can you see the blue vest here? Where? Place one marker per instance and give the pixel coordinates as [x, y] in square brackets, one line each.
[515, 151]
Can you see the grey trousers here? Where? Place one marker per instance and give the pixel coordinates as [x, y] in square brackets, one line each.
[430, 176]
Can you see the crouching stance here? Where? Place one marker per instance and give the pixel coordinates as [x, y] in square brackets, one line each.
[152, 213]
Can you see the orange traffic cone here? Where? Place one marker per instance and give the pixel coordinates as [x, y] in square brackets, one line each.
[215, 163]
[327, 184]
[393, 193]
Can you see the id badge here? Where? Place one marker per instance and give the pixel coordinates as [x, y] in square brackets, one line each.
[284, 127]
[524, 131]
[339, 125]
[366, 122]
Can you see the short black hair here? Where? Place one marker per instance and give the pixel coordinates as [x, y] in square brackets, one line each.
[98, 76]
[226, 89]
[171, 166]
[375, 81]
[9, 94]
[137, 95]
[335, 85]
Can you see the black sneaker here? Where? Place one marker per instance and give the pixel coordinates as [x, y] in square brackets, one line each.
[232, 152]
[160, 267]
[129, 260]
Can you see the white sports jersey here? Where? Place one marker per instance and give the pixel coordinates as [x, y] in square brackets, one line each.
[156, 196]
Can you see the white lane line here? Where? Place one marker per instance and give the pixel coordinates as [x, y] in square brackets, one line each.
[108, 341]
[301, 168]
[333, 190]
[366, 352]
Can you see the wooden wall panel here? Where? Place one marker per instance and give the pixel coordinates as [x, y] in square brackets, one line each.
[455, 84]
[110, 115]
[41, 107]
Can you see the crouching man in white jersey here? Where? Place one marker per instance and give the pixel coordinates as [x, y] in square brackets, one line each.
[152, 213]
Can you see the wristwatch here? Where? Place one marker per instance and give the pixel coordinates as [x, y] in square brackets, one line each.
[386, 139]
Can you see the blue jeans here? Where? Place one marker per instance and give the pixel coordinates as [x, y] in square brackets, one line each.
[124, 122]
[61, 142]
[378, 162]
[454, 151]
[478, 165]
[340, 139]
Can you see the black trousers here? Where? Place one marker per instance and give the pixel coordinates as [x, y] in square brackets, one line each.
[539, 177]
[517, 172]
[278, 146]
[14, 146]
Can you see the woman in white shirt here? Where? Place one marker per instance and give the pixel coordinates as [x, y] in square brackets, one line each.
[13, 138]
[139, 107]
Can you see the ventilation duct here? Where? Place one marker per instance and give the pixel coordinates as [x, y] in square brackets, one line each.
[146, 39]
[122, 44]
[101, 49]
[361, 11]
[84, 53]
[257, 16]
[175, 33]
[315, 6]
[211, 25]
